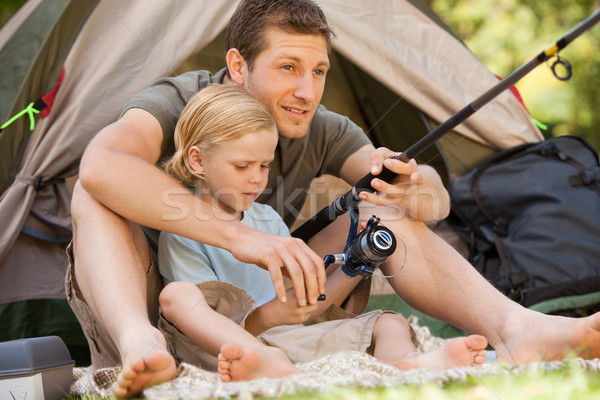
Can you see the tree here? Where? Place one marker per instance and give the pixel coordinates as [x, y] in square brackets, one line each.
[506, 34]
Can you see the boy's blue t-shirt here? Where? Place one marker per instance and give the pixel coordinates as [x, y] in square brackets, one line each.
[183, 259]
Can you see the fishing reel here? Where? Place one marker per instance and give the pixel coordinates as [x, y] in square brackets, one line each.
[365, 251]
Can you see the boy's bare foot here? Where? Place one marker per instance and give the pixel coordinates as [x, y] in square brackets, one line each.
[239, 364]
[154, 366]
[457, 352]
[548, 338]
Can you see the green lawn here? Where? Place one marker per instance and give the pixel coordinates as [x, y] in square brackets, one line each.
[564, 383]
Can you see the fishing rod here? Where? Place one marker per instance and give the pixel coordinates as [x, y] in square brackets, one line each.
[342, 204]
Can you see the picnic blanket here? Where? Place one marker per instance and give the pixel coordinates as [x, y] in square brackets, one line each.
[336, 370]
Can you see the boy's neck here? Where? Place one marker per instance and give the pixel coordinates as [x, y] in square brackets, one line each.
[220, 210]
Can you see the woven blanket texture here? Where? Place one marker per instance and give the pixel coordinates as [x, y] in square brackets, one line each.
[336, 370]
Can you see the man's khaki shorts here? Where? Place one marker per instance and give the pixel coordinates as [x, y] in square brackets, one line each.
[103, 350]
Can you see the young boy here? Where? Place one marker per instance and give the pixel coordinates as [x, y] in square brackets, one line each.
[225, 140]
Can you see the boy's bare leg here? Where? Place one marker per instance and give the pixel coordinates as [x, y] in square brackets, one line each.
[393, 345]
[112, 256]
[237, 363]
[241, 355]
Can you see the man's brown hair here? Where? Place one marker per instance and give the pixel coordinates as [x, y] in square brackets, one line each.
[253, 17]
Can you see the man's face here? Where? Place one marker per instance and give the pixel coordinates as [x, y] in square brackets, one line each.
[288, 77]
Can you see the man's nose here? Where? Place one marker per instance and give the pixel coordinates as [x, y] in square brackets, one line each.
[305, 87]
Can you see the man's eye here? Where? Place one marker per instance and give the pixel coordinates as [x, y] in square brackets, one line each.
[287, 67]
[319, 72]
[241, 166]
[265, 166]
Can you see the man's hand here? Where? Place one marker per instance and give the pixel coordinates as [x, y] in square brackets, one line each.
[417, 189]
[282, 254]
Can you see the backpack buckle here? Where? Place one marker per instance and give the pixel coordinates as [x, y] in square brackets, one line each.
[585, 178]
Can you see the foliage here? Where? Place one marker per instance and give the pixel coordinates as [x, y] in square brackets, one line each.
[8, 8]
[506, 34]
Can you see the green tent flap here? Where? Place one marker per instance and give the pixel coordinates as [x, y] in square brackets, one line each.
[36, 318]
[30, 62]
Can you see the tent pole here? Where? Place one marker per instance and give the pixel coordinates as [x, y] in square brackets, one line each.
[342, 204]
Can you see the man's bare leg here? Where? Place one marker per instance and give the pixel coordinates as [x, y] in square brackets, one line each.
[112, 257]
[393, 345]
[439, 282]
[241, 355]
[150, 370]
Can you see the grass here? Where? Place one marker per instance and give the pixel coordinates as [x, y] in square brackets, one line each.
[574, 384]
[565, 383]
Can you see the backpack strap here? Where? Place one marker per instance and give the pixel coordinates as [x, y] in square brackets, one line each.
[500, 227]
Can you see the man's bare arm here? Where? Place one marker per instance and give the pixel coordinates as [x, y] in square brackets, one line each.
[118, 170]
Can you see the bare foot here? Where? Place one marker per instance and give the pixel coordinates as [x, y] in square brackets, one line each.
[154, 366]
[457, 352]
[239, 364]
[548, 338]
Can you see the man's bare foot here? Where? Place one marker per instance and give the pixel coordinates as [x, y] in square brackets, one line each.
[239, 364]
[457, 352]
[549, 338]
[155, 365]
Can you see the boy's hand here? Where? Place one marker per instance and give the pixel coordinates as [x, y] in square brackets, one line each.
[275, 313]
[289, 313]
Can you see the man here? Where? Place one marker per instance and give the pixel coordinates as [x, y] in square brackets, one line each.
[278, 51]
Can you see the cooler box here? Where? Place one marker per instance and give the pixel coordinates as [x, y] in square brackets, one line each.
[35, 369]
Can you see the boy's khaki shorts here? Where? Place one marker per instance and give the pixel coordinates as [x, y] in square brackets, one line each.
[301, 343]
[335, 330]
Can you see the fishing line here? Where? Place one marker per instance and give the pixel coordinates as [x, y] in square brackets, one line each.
[426, 74]
[341, 205]
[403, 263]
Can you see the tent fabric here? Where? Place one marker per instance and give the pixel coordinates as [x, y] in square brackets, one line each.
[9, 29]
[31, 61]
[427, 66]
[118, 52]
[114, 48]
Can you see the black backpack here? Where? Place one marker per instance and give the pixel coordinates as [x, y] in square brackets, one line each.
[531, 218]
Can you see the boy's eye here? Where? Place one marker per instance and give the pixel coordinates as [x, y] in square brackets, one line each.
[319, 72]
[287, 67]
[241, 166]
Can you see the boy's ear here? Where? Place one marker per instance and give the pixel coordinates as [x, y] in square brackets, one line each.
[195, 159]
[236, 64]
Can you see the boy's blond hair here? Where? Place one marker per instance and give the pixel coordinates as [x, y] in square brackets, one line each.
[216, 114]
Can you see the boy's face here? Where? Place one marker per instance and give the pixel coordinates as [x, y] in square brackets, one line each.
[288, 77]
[236, 171]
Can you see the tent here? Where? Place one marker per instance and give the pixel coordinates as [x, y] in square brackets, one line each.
[396, 70]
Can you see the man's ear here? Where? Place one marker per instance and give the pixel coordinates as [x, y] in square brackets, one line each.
[236, 64]
[196, 159]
